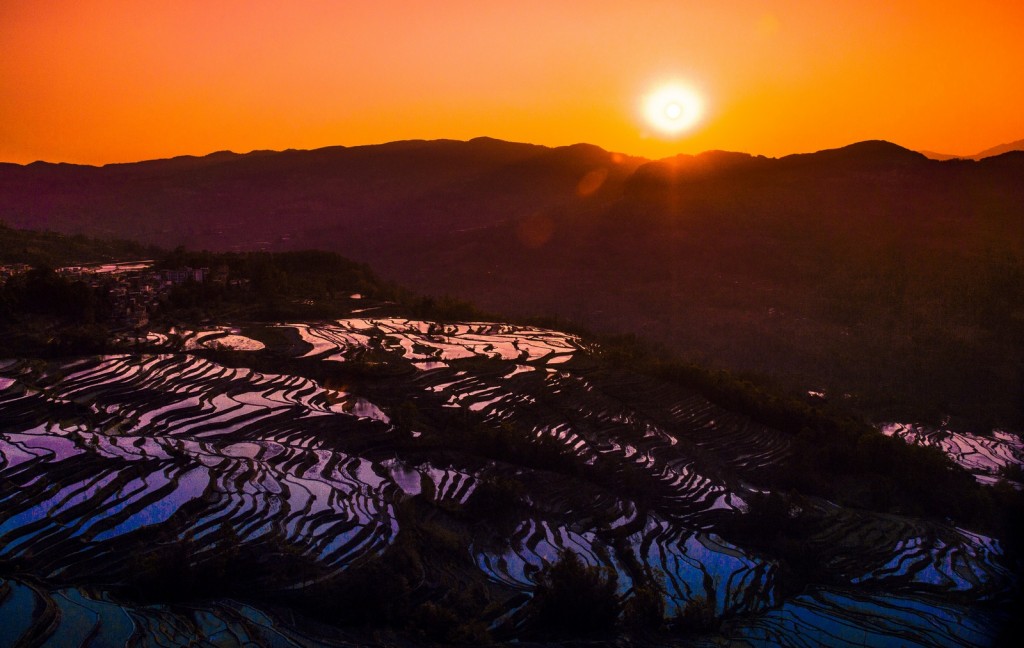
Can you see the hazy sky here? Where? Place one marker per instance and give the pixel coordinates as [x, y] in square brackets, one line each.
[119, 80]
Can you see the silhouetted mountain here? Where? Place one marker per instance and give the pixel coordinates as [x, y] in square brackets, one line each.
[941, 157]
[869, 270]
[1002, 148]
[989, 152]
[874, 153]
[332, 197]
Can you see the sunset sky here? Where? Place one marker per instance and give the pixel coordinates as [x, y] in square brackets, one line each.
[120, 80]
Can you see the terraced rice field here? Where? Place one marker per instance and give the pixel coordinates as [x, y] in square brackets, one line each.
[107, 463]
[982, 456]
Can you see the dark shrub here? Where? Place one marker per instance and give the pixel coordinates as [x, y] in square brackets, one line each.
[697, 617]
[574, 599]
[645, 610]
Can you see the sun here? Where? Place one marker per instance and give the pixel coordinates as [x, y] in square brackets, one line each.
[673, 109]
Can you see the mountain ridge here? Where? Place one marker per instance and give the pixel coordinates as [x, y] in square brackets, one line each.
[999, 149]
[226, 155]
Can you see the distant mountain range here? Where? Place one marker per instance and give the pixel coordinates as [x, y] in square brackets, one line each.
[351, 198]
[868, 270]
[989, 152]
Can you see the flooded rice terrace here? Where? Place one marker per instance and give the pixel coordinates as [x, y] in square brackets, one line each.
[307, 441]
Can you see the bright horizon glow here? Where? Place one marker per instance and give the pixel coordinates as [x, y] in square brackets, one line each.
[98, 81]
[673, 109]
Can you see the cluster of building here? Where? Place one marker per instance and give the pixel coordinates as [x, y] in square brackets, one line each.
[134, 289]
[11, 269]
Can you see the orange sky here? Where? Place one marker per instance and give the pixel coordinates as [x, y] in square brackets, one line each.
[118, 80]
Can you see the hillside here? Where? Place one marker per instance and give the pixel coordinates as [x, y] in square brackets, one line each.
[386, 480]
[882, 279]
[52, 249]
[293, 452]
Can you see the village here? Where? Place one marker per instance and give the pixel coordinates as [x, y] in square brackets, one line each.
[133, 290]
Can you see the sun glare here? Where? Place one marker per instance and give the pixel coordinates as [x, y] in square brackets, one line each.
[673, 109]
